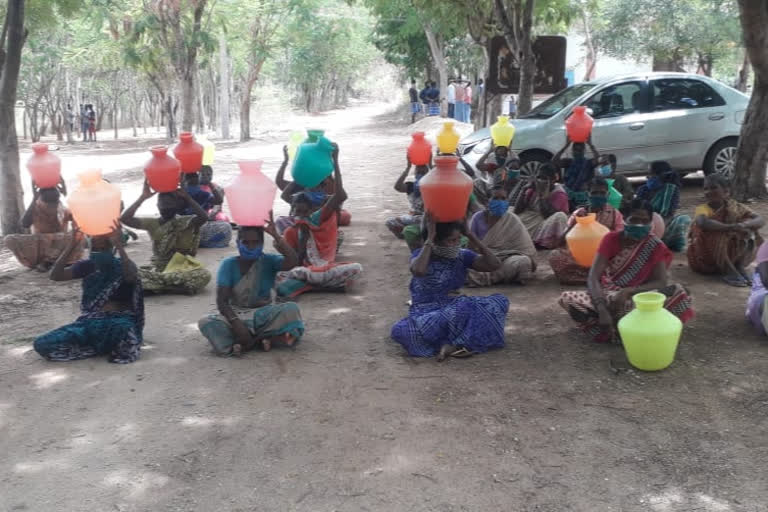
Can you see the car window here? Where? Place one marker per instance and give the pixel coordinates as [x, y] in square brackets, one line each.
[683, 93]
[617, 100]
[558, 102]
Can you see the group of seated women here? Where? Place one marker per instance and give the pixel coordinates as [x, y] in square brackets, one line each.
[501, 247]
[252, 287]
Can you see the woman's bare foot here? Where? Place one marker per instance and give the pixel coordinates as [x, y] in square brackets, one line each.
[445, 351]
[266, 344]
[286, 339]
[237, 350]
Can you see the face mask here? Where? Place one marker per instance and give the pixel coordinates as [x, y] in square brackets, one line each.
[498, 207]
[637, 231]
[578, 157]
[500, 160]
[653, 182]
[513, 174]
[102, 258]
[598, 201]
[450, 253]
[249, 254]
[316, 196]
[605, 171]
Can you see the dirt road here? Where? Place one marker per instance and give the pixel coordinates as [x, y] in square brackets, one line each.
[346, 422]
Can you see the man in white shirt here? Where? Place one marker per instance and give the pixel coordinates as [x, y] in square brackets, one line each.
[451, 98]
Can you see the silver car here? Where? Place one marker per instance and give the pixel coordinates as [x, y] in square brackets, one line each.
[691, 121]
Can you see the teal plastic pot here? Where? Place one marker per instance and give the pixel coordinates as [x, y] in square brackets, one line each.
[313, 162]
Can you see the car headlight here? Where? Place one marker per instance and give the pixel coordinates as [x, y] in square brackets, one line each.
[482, 147]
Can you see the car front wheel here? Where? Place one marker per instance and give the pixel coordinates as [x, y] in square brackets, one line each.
[531, 161]
[721, 159]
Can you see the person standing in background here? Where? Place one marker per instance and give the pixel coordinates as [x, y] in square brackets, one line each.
[460, 100]
[424, 97]
[413, 94]
[84, 121]
[468, 102]
[433, 95]
[91, 124]
[450, 97]
[512, 107]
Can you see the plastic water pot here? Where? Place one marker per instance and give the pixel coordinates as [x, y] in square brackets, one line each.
[189, 153]
[579, 125]
[614, 196]
[313, 162]
[162, 171]
[251, 195]
[584, 239]
[650, 333]
[44, 167]
[502, 132]
[294, 139]
[209, 149]
[446, 190]
[420, 149]
[95, 204]
[447, 139]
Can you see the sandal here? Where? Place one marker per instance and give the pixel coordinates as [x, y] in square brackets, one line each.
[461, 353]
[738, 282]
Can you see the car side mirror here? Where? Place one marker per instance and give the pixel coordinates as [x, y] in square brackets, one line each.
[590, 111]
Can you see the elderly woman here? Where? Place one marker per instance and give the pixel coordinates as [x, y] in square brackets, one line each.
[577, 171]
[314, 237]
[175, 239]
[50, 222]
[563, 265]
[440, 321]
[112, 306]
[543, 208]
[248, 317]
[506, 237]
[724, 237]
[628, 262]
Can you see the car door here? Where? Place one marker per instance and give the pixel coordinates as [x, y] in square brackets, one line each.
[687, 116]
[620, 111]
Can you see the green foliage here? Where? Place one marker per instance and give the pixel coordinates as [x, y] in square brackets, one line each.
[668, 29]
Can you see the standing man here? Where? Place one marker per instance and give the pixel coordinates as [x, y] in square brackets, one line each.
[512, 107]
[84, 121]
[461, 98]
[468, 102]
[450, 97]
[413, 94]
[433, 95]
[424, 97]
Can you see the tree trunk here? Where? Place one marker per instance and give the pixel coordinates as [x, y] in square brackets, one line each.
[245, 116]
[672, 63]
[438, 57]
[200, 105]
[753, 147]
[591, 57]
[12, 205]
[224, 91]
[170, 118]
[743, 79]
[114, 116]
[188, 102]
[527, 61]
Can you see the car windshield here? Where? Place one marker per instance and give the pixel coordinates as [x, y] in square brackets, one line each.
[558, 102]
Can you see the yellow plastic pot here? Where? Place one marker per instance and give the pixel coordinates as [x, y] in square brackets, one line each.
[650, 333]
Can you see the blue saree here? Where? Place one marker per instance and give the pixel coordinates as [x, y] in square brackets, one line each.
[440, 316]
[97, 332]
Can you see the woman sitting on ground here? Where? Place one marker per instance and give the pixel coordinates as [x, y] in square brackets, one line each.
[112, 306]
[214, 233]
[314, 237]
[724, 237]
[175, 239]
[662, 190]
[207, 185]
[503, 233]
[566, 270]
[627, 262]
[606, 168]
[248, 317]
[50, 222]
[757, 298]
[543, 208]
[319, 195]
[440, 321]
[398, 224]
[577, 171]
